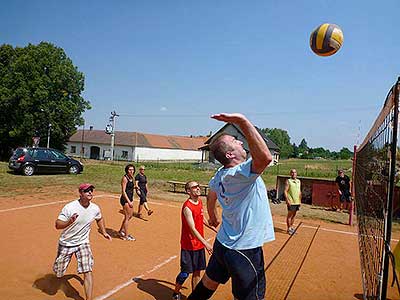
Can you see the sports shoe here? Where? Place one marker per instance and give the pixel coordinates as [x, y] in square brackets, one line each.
[290, 231]
[150, 212]
[130, 238]
[176, 296]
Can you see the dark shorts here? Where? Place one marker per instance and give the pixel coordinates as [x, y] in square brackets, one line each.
[294, 207]
[123, 201]
[245, 267]
[142, 196]
[345, 196]
[193, 260]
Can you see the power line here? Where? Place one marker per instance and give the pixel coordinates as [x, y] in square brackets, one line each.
[327, 110]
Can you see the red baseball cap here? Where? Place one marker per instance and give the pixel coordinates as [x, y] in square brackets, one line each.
[84, 186]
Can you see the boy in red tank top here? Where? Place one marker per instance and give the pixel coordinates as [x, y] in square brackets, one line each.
[192, 239]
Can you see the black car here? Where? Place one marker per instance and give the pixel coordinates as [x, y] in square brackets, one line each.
[43, 160]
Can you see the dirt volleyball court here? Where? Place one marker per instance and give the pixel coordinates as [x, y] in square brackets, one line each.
[321, 261]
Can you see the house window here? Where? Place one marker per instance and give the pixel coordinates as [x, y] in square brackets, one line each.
[125, 154]
[73, 149]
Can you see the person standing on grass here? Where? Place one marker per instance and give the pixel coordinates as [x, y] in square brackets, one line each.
[193, 258]
[292, 194]
[142, 191]
[75, 220]
[126, 200]
[246, 215]
[343, 184]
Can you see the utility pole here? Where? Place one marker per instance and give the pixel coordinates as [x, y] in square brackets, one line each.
[112, 120]
[48, 136]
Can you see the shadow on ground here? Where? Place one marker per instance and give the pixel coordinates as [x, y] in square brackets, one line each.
[50, 285]
[159, 289]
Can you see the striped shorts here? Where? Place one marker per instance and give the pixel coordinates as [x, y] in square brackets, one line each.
[83, 255]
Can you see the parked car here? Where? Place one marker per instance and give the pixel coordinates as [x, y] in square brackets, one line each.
[43, 160]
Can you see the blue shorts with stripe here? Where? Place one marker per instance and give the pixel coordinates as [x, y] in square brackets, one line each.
[245, 267]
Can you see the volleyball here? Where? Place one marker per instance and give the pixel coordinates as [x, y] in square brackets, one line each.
[326, 39]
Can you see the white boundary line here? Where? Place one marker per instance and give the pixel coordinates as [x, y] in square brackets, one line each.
[40, 205]
[130, 281]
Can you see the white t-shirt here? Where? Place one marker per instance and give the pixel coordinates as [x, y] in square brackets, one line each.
[78, 232]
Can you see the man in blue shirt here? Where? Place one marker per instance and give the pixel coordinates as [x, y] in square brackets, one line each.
[246, 216]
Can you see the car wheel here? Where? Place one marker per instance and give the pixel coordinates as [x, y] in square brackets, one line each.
[28, 170]
[74, 169]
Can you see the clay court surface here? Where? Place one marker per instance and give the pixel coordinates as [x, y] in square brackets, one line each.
[321, 261]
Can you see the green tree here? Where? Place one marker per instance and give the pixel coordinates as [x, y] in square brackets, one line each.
[303, 148]
[345, 153]
[39, 85]
[282, 139]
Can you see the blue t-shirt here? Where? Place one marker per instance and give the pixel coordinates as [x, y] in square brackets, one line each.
[246, 215]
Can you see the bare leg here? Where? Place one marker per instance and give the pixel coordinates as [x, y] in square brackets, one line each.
[88, 284]
[195, 279]
[140, 207]
[177, 288]
[127, 215]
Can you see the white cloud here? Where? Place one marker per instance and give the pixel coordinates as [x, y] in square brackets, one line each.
[163, 108]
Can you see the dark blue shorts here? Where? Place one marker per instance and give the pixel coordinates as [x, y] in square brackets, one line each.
[193, 260]
[294, 207]
[142, 196]
[345, 196]
[245, 267]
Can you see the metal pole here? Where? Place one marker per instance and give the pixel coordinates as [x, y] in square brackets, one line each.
[388, 224]
[113, 115]
[351, 211]
[48, 136]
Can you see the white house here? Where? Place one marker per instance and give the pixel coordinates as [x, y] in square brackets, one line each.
[134, 146]
[235, 131]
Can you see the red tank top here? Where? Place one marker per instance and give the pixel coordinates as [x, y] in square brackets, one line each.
[188, 240]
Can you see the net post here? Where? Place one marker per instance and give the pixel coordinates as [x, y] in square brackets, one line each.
[351, 210]
[388, 227]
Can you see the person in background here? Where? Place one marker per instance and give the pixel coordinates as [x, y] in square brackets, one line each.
[343, 184]
[193, 258]
[246, 215]
[292, 194]
[126, 200]
[74, 220]
[142, 191]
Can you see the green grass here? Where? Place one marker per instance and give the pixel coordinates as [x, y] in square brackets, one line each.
[106, 175]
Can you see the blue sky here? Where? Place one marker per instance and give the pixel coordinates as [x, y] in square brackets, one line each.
[165, 66]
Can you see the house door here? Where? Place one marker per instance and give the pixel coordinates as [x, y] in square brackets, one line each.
[95, 152]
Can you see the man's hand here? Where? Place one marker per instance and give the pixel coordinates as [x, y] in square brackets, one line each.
[230, 118]
[208, 248]
[73, 218]
[213, 221]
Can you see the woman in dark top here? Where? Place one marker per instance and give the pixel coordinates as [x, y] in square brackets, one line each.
[141, 190]
[126, 200]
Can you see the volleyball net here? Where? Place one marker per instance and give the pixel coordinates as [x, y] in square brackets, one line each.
[374, 180]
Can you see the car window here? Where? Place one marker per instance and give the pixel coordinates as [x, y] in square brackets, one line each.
[40, 154]
[18, 152]
[56, 155]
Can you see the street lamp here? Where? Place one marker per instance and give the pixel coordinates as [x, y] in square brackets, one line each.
[48, 136]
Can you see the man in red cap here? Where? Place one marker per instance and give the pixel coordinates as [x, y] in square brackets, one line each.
[75, 220]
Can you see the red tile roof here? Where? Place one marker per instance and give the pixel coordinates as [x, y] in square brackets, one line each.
[123, 138]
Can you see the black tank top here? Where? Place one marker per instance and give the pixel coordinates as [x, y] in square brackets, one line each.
[129, 187]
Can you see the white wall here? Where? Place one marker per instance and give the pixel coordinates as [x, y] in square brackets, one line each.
[140, 153]
[166, 154]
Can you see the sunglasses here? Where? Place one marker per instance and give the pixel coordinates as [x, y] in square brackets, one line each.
[194, 186]
[88, 190]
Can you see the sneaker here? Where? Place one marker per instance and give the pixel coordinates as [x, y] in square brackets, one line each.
[150, 212]
[130, 238]
[122, 235]
[176, 296]
[290, 231]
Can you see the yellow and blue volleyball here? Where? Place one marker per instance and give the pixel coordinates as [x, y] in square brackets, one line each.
[326, 39]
